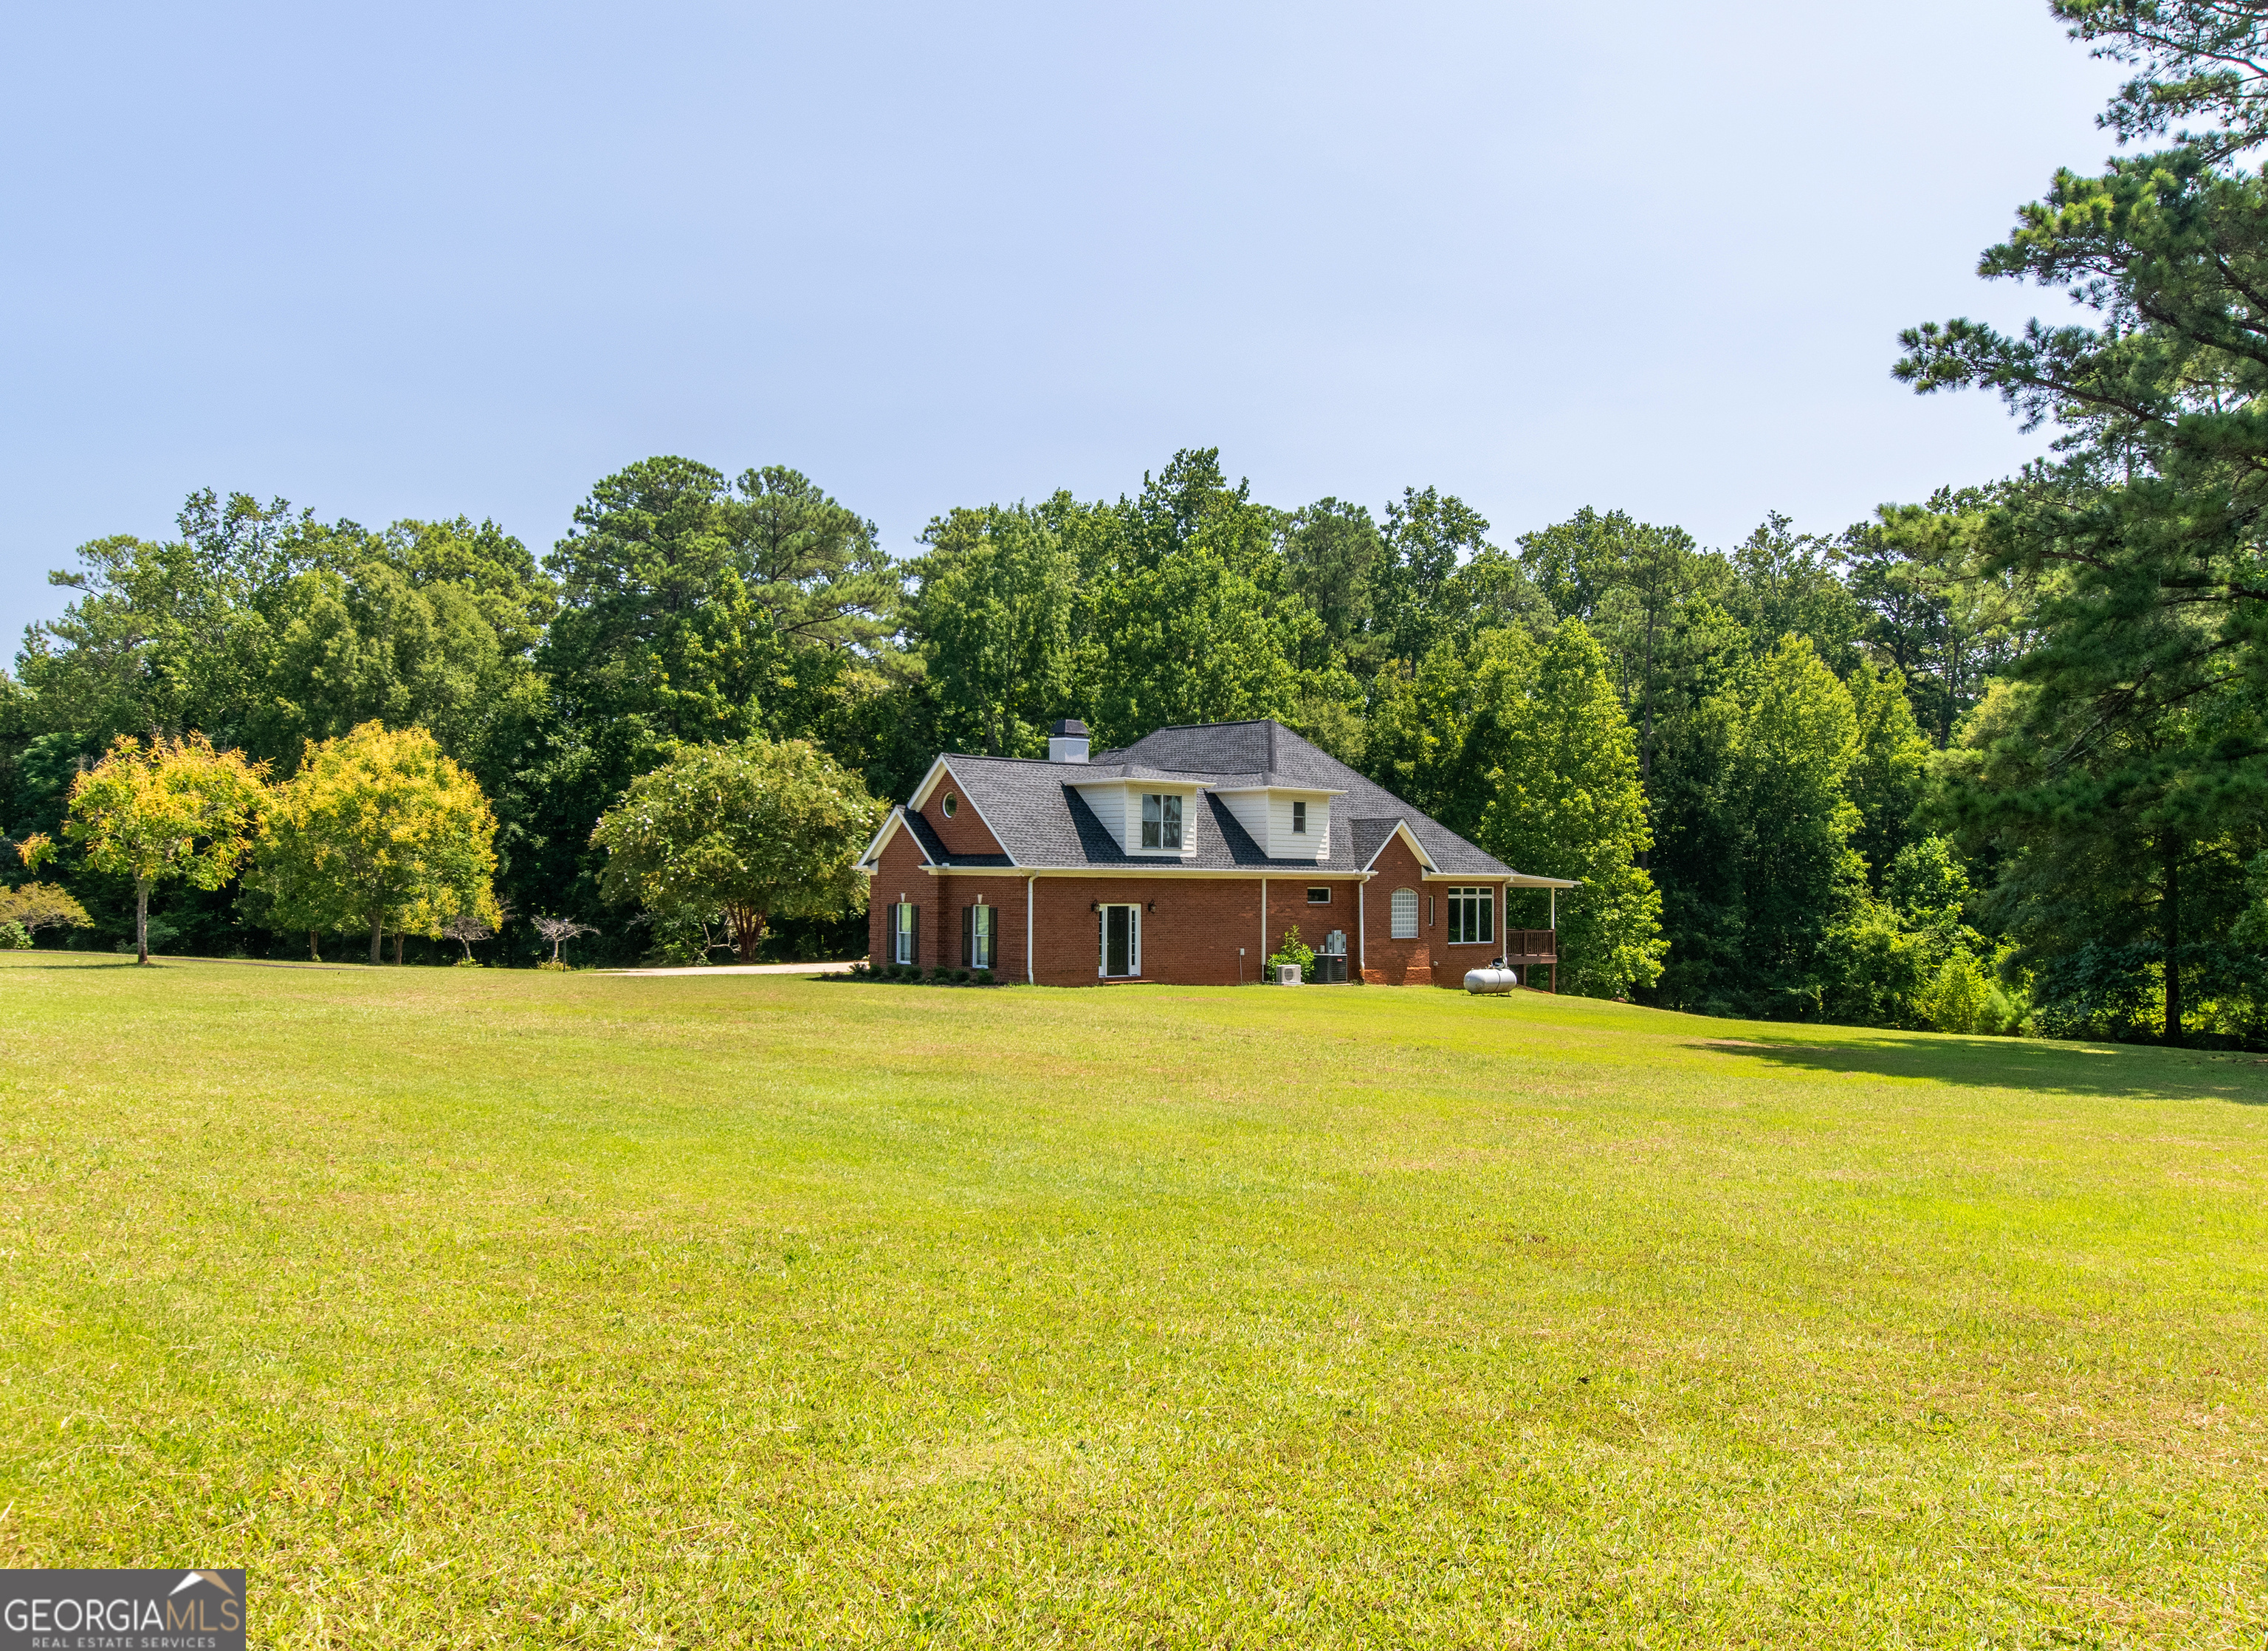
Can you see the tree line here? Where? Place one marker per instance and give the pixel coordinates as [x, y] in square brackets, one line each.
[1989, 761]
[1721, 746]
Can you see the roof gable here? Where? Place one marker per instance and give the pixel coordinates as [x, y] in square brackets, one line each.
[1034, 812]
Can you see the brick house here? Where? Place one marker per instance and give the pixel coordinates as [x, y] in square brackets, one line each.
[1184, 859]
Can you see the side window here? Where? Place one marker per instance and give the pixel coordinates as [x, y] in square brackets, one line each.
[1405, 914]
[979, 927]
[904, 932]
[1320, 896]
[1472, 915]
[1299, 813]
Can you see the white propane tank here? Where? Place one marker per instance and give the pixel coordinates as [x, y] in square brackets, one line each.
[1493, 977]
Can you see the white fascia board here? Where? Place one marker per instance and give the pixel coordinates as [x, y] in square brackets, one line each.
[941, 769]
[1283, 791]
[891, 827]
[1511, 880]
[1279, 874]
[1402, 829]
[929, 783]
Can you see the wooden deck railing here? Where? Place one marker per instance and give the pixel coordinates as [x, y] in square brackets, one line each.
[1532, 944]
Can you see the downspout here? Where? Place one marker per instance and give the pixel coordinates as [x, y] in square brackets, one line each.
[1361, 925]
[1264, 927]
[1031, 978]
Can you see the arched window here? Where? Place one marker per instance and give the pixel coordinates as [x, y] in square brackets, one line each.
[1405, 914]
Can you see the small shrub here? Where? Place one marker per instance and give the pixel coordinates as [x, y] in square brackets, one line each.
[1294, 951]
[1957, 997]
[982, 977]
[14, 937]
[959, 976]
[468, 962]
[555, 966]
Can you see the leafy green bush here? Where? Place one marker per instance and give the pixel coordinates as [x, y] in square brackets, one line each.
[468, 962]
[982, 977]
[1292, 951]
[1956, 996]
[14, 937]
[959, 976]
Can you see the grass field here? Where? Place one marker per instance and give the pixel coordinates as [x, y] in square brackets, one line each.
[512, 1308]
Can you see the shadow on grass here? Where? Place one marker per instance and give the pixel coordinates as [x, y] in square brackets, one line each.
[2001, 1063]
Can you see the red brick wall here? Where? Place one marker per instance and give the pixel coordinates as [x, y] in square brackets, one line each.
[1192, 937]
[1005, 893]
[1450, 962]
[1386, 961]
[1288, 908]
[901, 876]
[965, 833]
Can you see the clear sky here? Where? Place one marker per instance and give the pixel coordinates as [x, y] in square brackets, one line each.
[419, 259]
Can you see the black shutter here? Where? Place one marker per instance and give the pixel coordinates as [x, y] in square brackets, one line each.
[916, 925]
[967, 936]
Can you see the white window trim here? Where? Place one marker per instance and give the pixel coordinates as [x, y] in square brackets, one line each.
[1180, 825]
[1102, 940]
[1488, 891]
[1393, 914]
[1311, 889]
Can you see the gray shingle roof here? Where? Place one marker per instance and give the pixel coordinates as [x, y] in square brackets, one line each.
[1044, 822]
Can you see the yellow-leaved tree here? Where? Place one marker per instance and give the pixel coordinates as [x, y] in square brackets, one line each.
[171, 809]
[379, 829]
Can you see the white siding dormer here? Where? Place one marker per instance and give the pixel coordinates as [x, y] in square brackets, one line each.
[1118, 804]
[1288, 823]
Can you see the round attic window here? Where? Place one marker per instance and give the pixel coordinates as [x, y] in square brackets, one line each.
[952, 805]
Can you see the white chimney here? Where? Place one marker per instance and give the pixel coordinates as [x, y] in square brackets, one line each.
[1067, 741]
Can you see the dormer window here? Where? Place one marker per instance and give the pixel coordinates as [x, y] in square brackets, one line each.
[1161, 822]
[1298, 814]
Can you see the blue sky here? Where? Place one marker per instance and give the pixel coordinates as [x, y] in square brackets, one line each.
[421, 260]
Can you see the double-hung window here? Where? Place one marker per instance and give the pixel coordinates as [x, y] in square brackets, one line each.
[980, 929]
[904, 933]
[1472, 916]
[1298, 815]
[1161, 822]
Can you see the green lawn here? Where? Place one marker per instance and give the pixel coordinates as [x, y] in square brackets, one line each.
[512, 1308]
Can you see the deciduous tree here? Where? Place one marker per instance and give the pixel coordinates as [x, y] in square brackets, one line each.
[172, 808]
[754, 829]
[1567, 803]
[379, 829]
